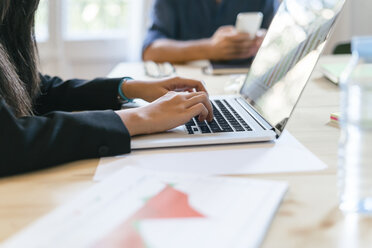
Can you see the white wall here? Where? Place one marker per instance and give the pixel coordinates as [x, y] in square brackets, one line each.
[92, 57]
[356, 19]
[84, 59]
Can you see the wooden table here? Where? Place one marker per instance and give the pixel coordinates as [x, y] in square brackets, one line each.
[308, 216]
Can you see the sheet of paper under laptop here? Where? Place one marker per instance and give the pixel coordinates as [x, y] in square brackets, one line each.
[141, 208]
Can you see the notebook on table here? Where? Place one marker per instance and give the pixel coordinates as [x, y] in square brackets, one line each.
[333, 71]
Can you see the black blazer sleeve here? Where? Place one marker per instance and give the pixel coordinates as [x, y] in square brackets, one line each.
[40, 141]
[77, 95]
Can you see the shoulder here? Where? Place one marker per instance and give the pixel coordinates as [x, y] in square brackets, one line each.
[177, 3]
[164, 2]
[272, 2]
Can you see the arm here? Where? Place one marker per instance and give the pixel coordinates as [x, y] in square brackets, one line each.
[225, 44]
[167, 50]
[162, 44]
[164, 26]
[77, 95]
[36, 142]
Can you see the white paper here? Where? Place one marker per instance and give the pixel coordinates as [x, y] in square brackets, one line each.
[137, 206]
[284, 155]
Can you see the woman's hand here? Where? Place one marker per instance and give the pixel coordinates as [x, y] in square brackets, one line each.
[150, 91]
[167, 112]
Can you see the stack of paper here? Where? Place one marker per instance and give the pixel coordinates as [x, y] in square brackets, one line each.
[140, 208]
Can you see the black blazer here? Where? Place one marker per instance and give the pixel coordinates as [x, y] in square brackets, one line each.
[54, 135]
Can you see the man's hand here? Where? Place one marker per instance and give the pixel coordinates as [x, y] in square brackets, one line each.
[227, 43]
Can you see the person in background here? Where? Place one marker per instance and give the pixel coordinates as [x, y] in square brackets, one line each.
[37, 127]
[185, 30]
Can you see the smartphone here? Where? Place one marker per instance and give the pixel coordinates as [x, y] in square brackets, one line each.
[249, 22]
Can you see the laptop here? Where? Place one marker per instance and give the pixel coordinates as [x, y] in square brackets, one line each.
[273, 86]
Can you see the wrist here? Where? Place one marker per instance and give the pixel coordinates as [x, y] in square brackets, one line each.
[131, 120]
[124, 91]
[133, 89]
[207, 48]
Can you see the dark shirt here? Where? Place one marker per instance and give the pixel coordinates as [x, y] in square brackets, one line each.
[53, 135]
[198, 19]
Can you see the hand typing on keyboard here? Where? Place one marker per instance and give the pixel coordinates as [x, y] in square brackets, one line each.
[174, 101]
[226, 119]
[170, 111]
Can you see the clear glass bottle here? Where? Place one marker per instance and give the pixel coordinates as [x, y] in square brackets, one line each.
[355, 151]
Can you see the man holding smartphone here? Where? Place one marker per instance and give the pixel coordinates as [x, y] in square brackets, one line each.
[185, 30]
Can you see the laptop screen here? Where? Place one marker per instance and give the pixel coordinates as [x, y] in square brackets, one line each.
[288, 56]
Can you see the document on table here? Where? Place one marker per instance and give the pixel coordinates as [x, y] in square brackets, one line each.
[282, 156]
[141, 208]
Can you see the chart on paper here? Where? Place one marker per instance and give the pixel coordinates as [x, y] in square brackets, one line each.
[167, 204]
[143, 209]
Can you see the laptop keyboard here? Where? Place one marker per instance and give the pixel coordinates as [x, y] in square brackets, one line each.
[226, 119]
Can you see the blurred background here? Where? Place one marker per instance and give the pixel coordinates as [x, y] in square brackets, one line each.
[87, 38]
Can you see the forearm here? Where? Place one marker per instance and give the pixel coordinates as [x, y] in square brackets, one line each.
[37, 142]
[173, 51]
[77, 95]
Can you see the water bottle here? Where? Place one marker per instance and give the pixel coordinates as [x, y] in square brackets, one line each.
[355, 151]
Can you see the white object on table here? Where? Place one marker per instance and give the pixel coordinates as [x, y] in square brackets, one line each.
[284, 155]
[249, 22]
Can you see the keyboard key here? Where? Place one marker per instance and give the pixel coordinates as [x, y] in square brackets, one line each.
[190, 123]
[226, 128]
[240, 129]
[189, 129]
[205, 129]
[241, 120]
[201, 123]
[213, 125]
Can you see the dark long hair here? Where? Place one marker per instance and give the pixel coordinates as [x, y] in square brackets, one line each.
[19, 79]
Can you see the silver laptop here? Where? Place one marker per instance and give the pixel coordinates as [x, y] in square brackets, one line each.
[273, 86]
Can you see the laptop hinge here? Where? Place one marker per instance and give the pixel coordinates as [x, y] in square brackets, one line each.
[256, 116]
